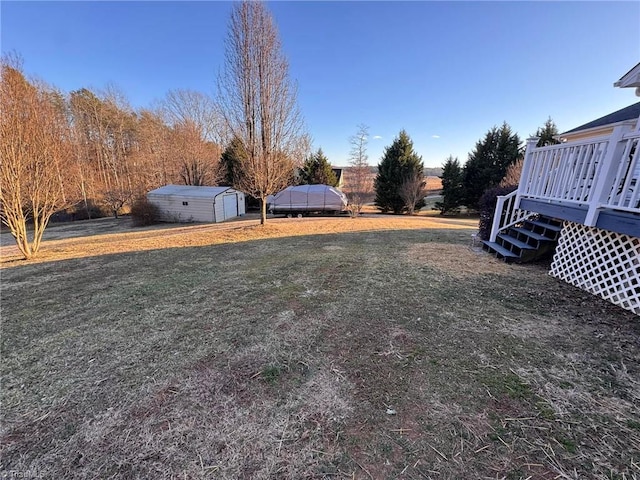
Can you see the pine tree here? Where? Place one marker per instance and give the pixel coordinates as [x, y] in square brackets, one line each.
[231, 162]
[546, 134]
[317, 171]
[488, 162]
[452, 188]
[399, 163]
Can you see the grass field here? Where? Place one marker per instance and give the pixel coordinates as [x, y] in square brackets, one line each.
[375, 348]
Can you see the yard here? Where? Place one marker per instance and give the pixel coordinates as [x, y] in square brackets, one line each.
[376, 348]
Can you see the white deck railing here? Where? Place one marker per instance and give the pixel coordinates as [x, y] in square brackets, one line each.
[625, 192]
[563, 172]
[595, 174]
[506, 215]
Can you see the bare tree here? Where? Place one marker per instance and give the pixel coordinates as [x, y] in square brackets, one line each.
[181, 107]
[153, 157]
[412, 190]
[512, 176]
[105, 133]
[116, 198]
[34, 148]
[258, 103]
[198, 160]
[360, 185]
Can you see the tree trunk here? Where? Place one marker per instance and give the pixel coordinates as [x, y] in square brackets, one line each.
[263, 209]
[22, 241]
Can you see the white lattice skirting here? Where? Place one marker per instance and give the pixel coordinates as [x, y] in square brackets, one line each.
[604, 263]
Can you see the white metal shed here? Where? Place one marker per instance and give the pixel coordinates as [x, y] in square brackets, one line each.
[186, 203]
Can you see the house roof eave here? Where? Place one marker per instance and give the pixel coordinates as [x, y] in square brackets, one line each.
[630, 79]
[628, 114]
[593, 131]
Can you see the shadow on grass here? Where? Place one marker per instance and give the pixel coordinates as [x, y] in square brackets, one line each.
[282, 358]
[99, 242]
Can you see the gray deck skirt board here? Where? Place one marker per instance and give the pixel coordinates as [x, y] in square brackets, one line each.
[572, 213]
[620, 222]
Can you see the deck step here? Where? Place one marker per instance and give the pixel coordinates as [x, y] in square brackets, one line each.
[525, 240]
[514, 241]
[500, 250]
[548, 226]
[529, 233]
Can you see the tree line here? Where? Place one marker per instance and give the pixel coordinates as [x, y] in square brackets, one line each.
[495, 161]
[87, 150]
[108, 153]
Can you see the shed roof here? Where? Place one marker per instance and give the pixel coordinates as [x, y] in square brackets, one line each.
[189, 191]
[628, 113]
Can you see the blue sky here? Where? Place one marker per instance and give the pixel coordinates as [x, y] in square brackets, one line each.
[444, 71]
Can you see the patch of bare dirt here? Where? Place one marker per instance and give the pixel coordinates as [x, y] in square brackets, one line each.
[458, 261]
[530, 327]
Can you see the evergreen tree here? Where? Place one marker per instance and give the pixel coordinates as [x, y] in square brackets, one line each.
[452, 188]
[231, 162]
[488, 162]
[317, 171]
[399, 163]
[546, 134]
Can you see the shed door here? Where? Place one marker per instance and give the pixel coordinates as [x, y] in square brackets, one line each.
[230, 206]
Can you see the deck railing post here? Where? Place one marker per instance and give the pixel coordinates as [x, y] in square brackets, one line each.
[606, 174]
[497, 216]
[526, 169]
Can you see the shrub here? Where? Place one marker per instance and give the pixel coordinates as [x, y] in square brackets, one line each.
[144, 213]
[512, 177]
[487, 206]
[251, 203]
[92, 209]
[81, 211]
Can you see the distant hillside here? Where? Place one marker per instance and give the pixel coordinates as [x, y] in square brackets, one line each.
[434, 184]
[428, 171]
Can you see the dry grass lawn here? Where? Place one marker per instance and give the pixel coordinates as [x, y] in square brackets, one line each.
[376, 348]
[108, 235]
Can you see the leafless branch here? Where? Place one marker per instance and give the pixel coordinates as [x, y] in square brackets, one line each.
[359, 185]
[34, 147]
[258, 103]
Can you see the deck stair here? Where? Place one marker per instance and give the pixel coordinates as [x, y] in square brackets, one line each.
[527, 241]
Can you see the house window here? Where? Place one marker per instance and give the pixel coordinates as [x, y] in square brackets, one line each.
[185, 203]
